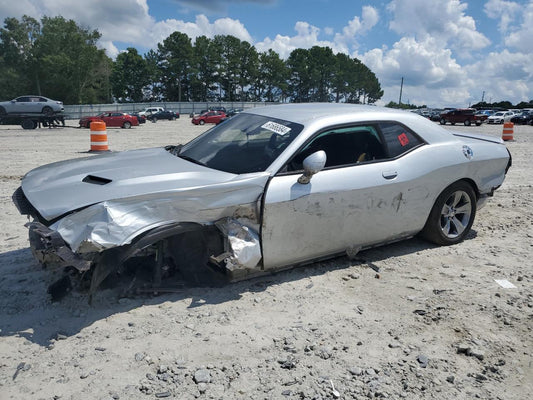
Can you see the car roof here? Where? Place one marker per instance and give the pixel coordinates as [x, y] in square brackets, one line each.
[305, 113]
[316, 116]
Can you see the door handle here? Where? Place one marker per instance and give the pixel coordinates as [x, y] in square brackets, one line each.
[390, 174]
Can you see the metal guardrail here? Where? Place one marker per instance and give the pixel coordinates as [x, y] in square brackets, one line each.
[184, 108]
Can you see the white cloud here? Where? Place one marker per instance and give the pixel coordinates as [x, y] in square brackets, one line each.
[505, 11]
[442, 19]
[504, 75]
[421, 63]
[522, 38]
[17, 9]
[305, 38]
[307, 35]
[357, 26]
[223, 26]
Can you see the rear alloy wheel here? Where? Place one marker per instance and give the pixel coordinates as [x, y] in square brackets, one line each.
[127, 125]
[443, 121]
[48, 111]
[452, 215]
[467, 122]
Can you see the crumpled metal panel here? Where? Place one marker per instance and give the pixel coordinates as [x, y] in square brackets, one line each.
[117, 222]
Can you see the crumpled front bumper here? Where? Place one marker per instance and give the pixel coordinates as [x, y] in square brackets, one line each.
[49, 248]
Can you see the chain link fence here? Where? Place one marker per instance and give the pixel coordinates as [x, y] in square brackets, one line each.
[184, 108]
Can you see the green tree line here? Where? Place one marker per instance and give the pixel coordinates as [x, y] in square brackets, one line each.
[59, 59]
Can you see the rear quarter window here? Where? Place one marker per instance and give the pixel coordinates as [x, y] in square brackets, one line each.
[398, 138]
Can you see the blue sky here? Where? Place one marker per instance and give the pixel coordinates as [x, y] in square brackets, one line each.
[449, 52]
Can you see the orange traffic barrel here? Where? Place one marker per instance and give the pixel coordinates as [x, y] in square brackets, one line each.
[507, 133]
[98, 136]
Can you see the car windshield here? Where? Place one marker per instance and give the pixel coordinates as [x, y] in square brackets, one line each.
[243, 144]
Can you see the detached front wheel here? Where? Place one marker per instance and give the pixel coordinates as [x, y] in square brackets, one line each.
[452, 215]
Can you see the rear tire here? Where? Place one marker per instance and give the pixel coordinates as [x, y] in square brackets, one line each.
[2, 111]
[127, 125]
[28, 124]
[443, 121]
[452, 215]
[467, 122]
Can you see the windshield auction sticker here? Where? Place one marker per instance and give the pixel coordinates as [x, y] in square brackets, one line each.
[276, 128]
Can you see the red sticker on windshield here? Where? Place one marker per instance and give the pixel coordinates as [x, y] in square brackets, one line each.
[404, 140]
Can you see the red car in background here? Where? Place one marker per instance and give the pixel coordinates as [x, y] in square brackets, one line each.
[111, 119]
[209, 117]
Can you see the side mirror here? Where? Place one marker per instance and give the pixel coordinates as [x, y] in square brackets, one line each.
[313, 164]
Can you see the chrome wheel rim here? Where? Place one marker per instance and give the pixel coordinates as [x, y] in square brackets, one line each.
[455, 214]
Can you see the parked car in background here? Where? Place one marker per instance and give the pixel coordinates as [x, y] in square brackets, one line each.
[209, 117]
[434, 115]
[31, 105]
[140, 118]
[111, 119]
[232, 111]
[524, 118]
[271, 188]
[486, 112]
[162, 114]
[500, 117]
[216, 108]
[466, 116]
[150, 110]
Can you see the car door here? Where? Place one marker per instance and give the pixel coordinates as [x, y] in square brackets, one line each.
[211, 117]
[109, 119]
[20, 105]
[352, 203]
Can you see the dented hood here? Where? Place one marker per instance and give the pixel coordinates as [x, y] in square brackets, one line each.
[60, 188]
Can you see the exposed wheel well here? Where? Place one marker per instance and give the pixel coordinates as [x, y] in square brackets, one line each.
[186, 246]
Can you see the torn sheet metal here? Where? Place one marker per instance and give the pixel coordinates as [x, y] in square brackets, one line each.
[243, 242]
[117, 222]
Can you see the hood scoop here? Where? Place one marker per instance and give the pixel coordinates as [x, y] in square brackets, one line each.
[96, 180]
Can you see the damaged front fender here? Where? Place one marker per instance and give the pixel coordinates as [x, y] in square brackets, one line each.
[49, 248]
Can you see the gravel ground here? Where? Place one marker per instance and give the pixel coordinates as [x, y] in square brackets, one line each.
[408, 320]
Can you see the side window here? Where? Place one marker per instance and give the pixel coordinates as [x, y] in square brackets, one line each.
[398, 139]
[343, 146]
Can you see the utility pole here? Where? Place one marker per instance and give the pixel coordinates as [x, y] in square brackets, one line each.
[401, 89]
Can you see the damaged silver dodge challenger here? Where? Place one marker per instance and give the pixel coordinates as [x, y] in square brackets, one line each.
[270, 188]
